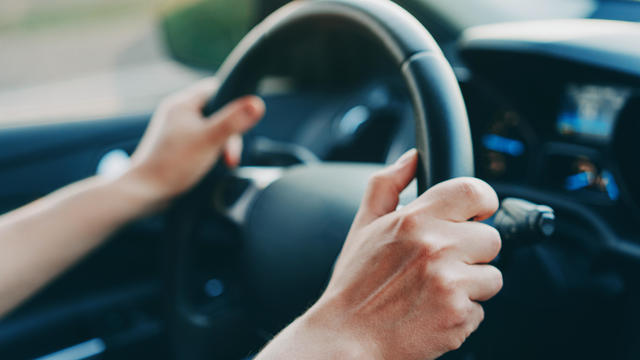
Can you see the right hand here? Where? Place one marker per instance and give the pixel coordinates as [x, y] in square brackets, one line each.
[408, 281]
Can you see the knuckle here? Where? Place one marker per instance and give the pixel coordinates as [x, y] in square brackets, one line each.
[425, 248]
[498, 281]
[458, 315]
[478, 319]
[478, 191]
[379, 181]
[465, 319]
[470, 328]
[430, 248]
[470, 188]
[494, 242]
[492, 281]
[408, 223]
[444, 284]
[456, 340]
[426, 251]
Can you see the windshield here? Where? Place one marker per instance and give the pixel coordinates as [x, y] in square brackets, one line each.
[466, 13]
[462, 14]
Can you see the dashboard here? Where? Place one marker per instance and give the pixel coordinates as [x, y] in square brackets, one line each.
[566, 135]
[552, 108]
[548, 101]
[567, 151]
[555, 113]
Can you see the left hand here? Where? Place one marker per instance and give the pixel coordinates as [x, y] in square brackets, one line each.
[180, 145]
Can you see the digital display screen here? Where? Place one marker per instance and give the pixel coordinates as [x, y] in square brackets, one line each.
[590, 111]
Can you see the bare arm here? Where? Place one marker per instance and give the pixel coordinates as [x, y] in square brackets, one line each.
[44, 238]
[41, 240]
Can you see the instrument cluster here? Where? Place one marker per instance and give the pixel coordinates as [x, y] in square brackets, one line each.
[573, 150]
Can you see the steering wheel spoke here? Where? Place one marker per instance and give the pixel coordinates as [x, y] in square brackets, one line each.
[235, 194]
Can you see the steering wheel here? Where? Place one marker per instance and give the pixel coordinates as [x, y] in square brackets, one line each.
[294, 221]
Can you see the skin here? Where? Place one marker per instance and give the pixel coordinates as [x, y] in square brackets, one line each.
[43, 239]
[407, 284]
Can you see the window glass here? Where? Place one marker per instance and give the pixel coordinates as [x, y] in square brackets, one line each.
[82, 59]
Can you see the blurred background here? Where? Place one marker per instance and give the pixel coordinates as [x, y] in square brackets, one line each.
[98, 58]
[83, 59]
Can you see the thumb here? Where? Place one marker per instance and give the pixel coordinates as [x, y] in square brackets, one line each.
[232, 152]
[381, 196]
[235, 118]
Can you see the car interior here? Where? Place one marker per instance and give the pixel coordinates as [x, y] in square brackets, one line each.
[543, 105]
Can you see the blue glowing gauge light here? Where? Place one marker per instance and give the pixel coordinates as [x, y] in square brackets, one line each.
[579, 181]
[503, 145]
[610, 185]
[586, 179]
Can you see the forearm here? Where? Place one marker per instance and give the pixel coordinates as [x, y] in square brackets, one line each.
[41, 240]
[44, 238]
[318, 335]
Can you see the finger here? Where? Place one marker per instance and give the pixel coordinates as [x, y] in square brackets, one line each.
[459, 199]
[381, 196]
[483, 282]
[235, 118]
[233, 151]
[197, 95]
[476, 316]
[476, 243]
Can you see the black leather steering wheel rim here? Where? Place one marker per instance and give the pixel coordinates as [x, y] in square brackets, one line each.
[443, 137]
[442, 130]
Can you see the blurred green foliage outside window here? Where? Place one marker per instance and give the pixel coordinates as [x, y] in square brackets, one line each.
[203, 33]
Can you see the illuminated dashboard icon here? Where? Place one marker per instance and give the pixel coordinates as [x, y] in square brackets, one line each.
[579, 181]
[503, 145]
[581, 175]
[504, 148]
[610, 185]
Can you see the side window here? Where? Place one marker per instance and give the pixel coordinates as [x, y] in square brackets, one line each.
[203, 33]
[76, 59]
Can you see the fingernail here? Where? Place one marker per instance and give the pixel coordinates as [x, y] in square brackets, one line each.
[406, 157]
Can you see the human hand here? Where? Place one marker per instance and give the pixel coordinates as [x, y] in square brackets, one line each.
[408, 281]
[180, 145]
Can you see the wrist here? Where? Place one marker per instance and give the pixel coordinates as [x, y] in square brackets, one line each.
[142, 193]
[321, 333]
[346, 339]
